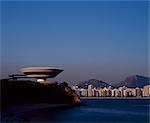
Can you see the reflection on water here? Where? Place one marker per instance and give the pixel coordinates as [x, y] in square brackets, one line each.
[95, 110]
[112, 111]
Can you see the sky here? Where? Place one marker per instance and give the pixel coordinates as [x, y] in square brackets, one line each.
[101, 40]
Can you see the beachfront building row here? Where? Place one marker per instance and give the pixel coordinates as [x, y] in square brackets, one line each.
[113, 92]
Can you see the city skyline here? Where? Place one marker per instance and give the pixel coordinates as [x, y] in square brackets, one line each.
[101, 40]
[121, 91]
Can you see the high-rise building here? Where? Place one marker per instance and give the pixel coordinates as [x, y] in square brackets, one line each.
[100, 91]
[146, 91]
[84, 92]
[121, 89]
[114, 92]
[134, 92]
[118, 93]
[109, 91]
[78, 92]
[104, 92]
[129, 92]
[75, 87]
[90, 86]
[97, 93]
[94, 92]
[90, 92]
[138, 92]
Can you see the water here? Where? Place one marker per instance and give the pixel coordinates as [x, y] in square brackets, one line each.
[97, 110]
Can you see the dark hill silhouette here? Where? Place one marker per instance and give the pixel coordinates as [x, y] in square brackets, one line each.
[18, 92]
[94, 82]
[134, 81]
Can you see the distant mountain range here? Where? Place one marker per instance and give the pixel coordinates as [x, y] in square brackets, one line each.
[94, 82]
[134, 81]
[130, 81]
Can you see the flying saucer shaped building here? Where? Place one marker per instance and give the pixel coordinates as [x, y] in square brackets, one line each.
[40, 73]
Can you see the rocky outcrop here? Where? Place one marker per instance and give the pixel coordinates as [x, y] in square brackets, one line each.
[70, 93]
[19, 92]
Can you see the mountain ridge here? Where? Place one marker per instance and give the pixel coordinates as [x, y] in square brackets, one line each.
[129, 81]
[134, 81]
[94, 82]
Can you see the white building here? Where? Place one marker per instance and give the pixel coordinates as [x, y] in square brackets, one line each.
[114, 92]
[146, 91]
[84, 92]
[100, 91]
[90, 86]
[75, 87]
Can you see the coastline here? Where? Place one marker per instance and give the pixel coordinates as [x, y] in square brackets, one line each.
[115, 98]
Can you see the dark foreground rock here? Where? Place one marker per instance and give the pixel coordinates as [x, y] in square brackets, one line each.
[23, 92]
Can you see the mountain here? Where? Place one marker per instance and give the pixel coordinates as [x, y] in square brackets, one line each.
[134, 81]
[94, 82]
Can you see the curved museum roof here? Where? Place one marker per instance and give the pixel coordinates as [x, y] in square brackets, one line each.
[41, 72]
[40, 69]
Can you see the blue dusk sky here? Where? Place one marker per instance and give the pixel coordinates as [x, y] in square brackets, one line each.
[102, 40]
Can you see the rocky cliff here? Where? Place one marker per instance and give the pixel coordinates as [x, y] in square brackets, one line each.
[20, 92]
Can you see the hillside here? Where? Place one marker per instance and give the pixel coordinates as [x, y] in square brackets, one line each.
[134, 81]
[94, 82]
[20, 92]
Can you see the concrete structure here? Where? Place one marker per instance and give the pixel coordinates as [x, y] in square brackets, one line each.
[113, 92]
[84, 92]
[138, 92]
[146, 91]
[90, 92]
[40, 73]
[75, 87]
[90, 86]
